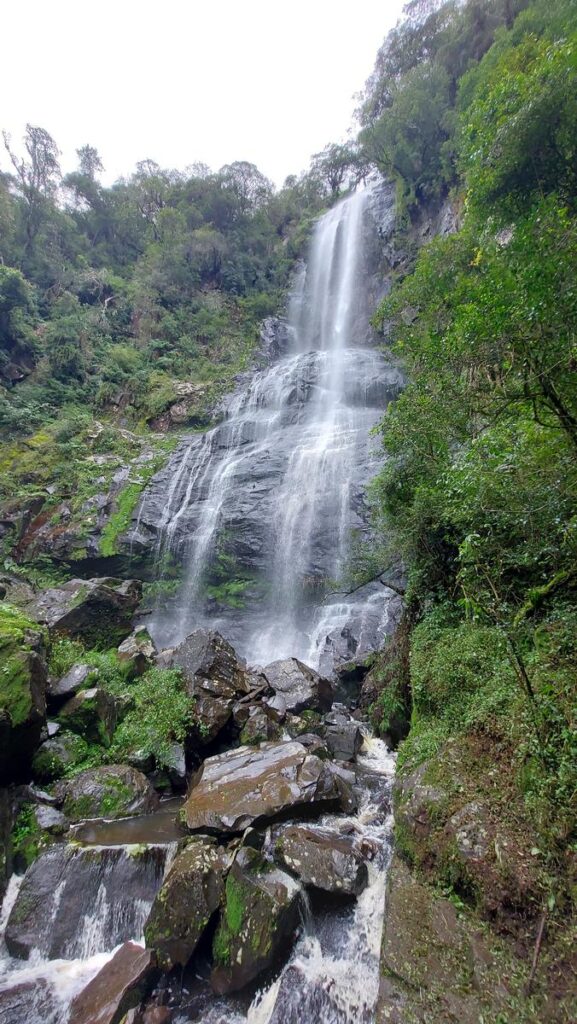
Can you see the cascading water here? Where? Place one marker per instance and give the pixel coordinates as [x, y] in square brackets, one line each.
[332, 976]
[260, 511]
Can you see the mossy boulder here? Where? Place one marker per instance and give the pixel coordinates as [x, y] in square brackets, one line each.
[191, 893]
[138, 651]
[93, 714]
[259, 923]
[23, 676]
[56, 755]
[111, 791]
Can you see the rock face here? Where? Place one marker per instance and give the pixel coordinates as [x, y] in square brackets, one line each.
[74, 901]
[112, 791]
[233, 790]
[300, 686]
[23, 676]
[191, 893]
[322, 858]
[259, 922]
[98, 611]
[120, 985]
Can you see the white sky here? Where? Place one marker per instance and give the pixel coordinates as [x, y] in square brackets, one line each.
[185, 80]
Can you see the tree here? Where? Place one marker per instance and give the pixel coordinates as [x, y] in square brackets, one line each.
[36, 178]
[338, 164]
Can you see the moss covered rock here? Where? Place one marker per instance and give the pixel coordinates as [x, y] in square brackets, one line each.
[192, 892]
[56, 755]
[23, 676]
[98, 611]
[92, 714]
[112, 791]
[259, 922]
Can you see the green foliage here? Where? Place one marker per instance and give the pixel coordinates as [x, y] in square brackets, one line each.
[160, 714]
[518, 136]
[478, 492]
[26, 837]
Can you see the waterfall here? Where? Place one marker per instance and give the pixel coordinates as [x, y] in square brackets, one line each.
[259, 513]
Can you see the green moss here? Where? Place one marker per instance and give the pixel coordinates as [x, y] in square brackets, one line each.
[26, 838]
[119, 521]
[236, 904]
[15, 651]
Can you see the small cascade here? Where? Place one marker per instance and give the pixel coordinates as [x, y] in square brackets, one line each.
[259, 513]
[70, 915]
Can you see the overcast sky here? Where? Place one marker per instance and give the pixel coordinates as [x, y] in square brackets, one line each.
[186, 80]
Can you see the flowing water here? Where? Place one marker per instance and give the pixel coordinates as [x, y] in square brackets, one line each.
[102, 899]
[260, 512]
[332, 976]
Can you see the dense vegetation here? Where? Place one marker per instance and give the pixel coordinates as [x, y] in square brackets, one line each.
[479, 491]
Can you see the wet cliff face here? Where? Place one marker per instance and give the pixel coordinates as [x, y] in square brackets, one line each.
[255, 519]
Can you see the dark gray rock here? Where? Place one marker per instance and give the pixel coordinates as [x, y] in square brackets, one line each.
[301, 688]
[121, 984]
[55, 755]
[70, 683]
[323, 858]
[191, 893]
[93, 714]
[259, 727]
[138, 651]
[50, 820]
[98, 611]
[67, 882]
[343, 735]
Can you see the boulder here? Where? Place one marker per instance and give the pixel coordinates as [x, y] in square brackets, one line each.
[93, 714]
[70, 683]
[138, 651]
[76, 901]
[302, 688]
[235, 789]
[259, 922]
[174, 762]
[205, 657]
[99, 611]
[49, 820]
[55, 755]
[343, 735]
[214, 678]
[323, 858]
[23, 676]
[111, 791]
[121, 985]
[191, 893]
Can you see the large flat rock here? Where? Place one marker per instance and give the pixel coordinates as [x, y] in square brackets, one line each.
[234, 789]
